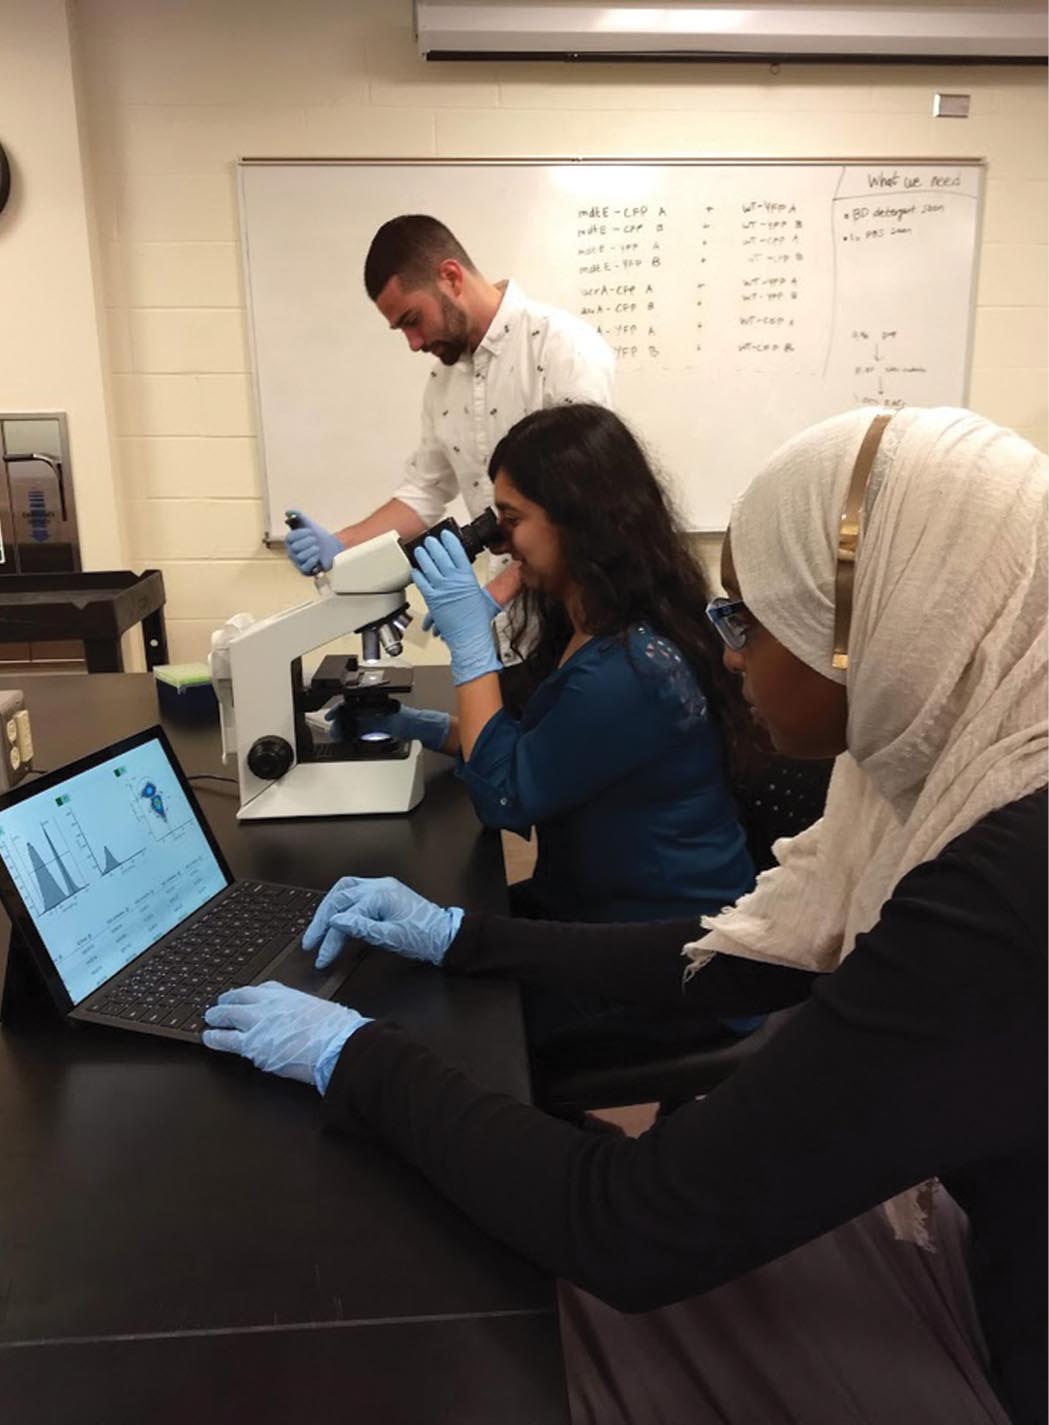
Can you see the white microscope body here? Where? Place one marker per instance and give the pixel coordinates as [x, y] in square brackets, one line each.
[365, 594]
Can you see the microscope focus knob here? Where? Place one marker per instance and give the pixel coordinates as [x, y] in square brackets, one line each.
[270, 757]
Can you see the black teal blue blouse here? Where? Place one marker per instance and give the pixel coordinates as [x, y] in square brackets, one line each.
[618, 764]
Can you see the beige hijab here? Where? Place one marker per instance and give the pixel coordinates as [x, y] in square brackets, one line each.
[946, 683]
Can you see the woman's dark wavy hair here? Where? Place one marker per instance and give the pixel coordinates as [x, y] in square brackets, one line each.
[626, 549]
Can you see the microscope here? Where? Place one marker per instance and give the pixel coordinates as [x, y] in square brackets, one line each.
[286, 767]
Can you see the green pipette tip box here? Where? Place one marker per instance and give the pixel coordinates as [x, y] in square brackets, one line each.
[185, 688]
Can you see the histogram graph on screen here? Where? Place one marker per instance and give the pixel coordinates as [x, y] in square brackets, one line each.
[53, 880]
[45, 865]
[57, 860]
[109, 861]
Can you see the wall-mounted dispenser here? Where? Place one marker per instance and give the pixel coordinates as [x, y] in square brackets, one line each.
[38, 533]
[38, 528]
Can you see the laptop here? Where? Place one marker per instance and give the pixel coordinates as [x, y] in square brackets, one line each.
[123, 902]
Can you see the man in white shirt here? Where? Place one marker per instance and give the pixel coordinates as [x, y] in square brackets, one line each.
[502, 356]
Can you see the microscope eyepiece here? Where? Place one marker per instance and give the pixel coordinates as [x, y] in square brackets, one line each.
[481, 533]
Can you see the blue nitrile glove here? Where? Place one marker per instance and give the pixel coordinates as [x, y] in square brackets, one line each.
[282, 1030]
[385, 913]
[462, 614]
[311, 546]
[494, 604]
[425, 725]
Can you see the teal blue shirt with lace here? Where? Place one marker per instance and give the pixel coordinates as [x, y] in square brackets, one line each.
[617, 763]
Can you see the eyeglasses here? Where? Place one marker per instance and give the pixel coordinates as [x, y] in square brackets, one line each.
[730, 618]
[730, 621]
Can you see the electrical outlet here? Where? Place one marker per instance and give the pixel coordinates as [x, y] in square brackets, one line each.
[16, 740]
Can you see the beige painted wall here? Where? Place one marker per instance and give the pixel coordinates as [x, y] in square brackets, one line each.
[50, 350]
[174, 93]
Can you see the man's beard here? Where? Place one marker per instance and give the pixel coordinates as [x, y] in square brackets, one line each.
[456, 333]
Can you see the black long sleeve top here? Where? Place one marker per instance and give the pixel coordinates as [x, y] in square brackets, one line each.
[922, 1055]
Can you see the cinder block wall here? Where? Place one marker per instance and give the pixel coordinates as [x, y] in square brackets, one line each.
[173, 94]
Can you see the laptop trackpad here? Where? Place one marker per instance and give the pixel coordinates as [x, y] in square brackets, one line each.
[294, 968]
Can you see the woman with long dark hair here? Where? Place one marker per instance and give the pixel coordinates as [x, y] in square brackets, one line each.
[620, 756]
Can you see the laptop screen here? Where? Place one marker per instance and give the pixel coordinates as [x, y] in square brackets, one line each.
[107, 862]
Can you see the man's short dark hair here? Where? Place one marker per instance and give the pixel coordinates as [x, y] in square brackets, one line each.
[411, 247]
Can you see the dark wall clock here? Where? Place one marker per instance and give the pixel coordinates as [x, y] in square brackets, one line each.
[5, 178]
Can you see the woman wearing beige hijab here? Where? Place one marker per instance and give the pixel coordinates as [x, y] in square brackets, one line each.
[886, 603]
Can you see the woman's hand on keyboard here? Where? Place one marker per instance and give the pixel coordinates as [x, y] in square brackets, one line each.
[282, 1030]
[383, 912]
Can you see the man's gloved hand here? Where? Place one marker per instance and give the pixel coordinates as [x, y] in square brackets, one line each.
[385, 913]
[462, 613]
[282, 1030]
[494, 604]
[311, 546]
[425, 725]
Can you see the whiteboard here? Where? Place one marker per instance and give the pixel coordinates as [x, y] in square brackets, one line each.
[744, 300]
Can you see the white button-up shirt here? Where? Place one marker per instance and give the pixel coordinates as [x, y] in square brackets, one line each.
[532, 357]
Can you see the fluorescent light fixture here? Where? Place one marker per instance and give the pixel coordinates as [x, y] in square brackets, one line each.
[1011, 31]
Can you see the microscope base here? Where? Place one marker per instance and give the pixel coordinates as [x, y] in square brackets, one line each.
[341, 789]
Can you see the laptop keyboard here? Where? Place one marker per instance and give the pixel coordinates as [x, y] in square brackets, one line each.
[225, 947]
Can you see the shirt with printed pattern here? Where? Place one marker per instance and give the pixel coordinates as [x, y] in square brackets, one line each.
[532, 357]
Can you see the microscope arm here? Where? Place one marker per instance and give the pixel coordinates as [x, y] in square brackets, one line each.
[261, 659]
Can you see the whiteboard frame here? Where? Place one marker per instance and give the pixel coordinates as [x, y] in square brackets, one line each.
[272, 541]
